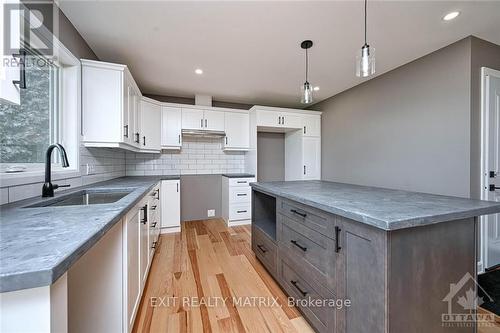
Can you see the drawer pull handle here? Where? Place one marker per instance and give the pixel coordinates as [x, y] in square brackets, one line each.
[241, 182]
[262, 248]
[241, 211]
[153, 207]
[304, 293]
[153, 225]
[337, 240]
[241, 194]
[298, 213]
[294, 242]
[154, 245]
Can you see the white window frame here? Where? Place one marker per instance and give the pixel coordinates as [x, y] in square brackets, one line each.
[69, 119]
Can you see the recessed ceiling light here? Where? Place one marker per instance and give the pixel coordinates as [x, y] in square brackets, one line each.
[198, 71]
[451, 16]
[316, 88]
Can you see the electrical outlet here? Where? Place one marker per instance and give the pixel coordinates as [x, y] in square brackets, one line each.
[211, 212]
[90, 169]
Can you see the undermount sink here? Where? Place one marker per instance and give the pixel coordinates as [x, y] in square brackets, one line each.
[86, 197]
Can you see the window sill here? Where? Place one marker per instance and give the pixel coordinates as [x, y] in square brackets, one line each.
[30, 177]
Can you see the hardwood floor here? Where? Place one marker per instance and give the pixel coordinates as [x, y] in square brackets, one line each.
[209, 262]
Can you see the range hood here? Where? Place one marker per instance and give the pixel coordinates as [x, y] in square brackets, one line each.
[203, 133]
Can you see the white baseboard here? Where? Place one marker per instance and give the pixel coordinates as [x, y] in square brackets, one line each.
[170, 230]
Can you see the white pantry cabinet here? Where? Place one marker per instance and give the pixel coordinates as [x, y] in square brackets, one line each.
[311, 125]
[150, 125]
[311, 158]
[237, 129]
[171, 205]
[171, 127]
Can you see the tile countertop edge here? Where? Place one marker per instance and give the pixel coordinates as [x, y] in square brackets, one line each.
[27, 279]
[379, 223]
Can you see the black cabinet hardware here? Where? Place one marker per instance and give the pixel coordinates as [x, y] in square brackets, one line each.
[294, 242]
[295, 284]
[282, 120]
[226, 140]
[262, 248]
[143, 140]
[126, 131]
[241, 211]
[241, 194]
[154, 245]
[22, 69]
[206, 123]
[241, 181]
[304, 130]
[153, 207]
[179, 138]
[201, 123]
[177, 188]
[304, 169]
[153, 225]
[337, 239]
[145, 212]
[279, 120]
[298, 213]
[493, 187]
[137, 137]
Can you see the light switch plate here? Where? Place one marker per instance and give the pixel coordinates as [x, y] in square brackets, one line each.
[211, 212]
[90, 169]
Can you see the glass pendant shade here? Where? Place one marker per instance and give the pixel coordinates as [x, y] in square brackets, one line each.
[365, 61]
[307, 93]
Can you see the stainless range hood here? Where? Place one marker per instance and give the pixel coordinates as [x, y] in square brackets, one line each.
[203, 133]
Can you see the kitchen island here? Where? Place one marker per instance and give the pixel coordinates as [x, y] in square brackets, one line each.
[398, 261]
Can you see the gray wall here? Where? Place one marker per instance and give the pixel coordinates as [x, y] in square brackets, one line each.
[484, 54]
[270, 156]
[407, 129]
[200, 193]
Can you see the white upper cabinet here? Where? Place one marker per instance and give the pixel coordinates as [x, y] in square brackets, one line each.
[278, 119]
[214, 120]
[171, 127]
[311, 125]
[237, 131]
[192, 119]
[150, 125]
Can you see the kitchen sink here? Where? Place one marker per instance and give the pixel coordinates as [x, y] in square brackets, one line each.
[86, 197]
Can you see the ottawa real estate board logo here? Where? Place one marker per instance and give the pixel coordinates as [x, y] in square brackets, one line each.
[463, 302]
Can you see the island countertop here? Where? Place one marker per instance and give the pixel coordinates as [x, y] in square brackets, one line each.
[383, 208]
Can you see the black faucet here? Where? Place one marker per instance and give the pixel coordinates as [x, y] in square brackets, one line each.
[48, 188]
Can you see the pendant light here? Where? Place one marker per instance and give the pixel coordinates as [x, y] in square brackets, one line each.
[307, 89]
[365, 59]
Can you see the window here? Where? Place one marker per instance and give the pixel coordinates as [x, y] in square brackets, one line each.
[28, 128]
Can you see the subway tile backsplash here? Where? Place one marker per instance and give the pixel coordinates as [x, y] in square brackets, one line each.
[197, 156]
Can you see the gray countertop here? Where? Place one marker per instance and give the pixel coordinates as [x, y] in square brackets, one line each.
[382, 208]
[38, 245]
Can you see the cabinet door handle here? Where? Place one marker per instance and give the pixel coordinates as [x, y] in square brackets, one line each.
[241, 181]
[304, 130]
[262, 248]
[177, 187]
[126, 131]
[294, 242]
[226, 140]
[153, 225]
[283, 120]
[279, 120]
[144, 140]
[295, 284]
[154, 245]
[179, 138]
[137, 137]
[241, 211]
[22, 69]
[337, 239]
[153, 207]
[145, 212]
[201, 123]
[206, 123]
[304, 169]
[241, 194]
[298, 213]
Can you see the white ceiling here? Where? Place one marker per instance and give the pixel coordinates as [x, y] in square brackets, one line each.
[249, 51]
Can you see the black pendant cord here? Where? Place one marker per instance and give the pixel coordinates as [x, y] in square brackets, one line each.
[307, 64]
[366, 2]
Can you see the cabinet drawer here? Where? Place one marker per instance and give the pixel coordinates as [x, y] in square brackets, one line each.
[309, 249]
[240, 181]
[265, 249]
[240, 211]
[312, 218]
[296, 283]
[240, 194]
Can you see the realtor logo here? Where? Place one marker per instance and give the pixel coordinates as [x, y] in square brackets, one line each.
[24, 26]
[463, 302]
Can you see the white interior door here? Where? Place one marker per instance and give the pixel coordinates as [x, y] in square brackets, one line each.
[492, 161]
